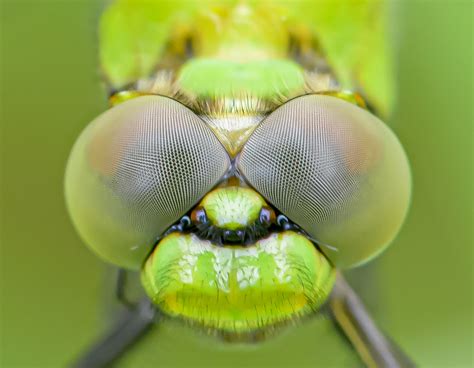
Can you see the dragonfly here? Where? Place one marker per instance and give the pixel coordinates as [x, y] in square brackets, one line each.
[241, 166]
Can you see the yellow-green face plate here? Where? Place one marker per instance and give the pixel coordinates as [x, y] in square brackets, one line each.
[237, 290]
[233, 207]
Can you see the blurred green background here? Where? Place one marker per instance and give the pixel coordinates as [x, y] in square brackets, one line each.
[52, 286]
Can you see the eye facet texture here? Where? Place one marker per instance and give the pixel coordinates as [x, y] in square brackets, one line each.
[135, 170]
[335, 170]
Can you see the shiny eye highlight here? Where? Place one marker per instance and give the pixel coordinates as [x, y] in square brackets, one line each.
[135, 170]
[335, 170]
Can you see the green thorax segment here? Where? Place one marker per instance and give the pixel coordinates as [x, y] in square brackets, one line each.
[233, 62]
[172, 48]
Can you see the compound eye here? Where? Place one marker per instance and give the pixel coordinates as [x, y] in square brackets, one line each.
[335, 170]
[135, 170]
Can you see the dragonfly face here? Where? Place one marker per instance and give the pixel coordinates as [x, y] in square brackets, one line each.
[246, 278]
[330, 166]
[239, 194]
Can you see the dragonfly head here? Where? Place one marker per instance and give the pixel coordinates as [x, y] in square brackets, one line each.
[333, 169]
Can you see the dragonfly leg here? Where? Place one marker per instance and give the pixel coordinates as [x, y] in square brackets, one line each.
[128, 330]
[121, 288]
[374, 348]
